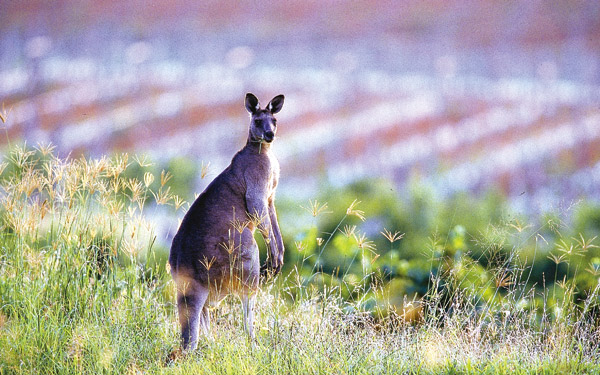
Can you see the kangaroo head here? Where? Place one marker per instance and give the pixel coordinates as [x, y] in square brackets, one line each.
[263, 124]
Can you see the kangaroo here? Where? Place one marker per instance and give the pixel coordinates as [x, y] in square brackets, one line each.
[214, 252]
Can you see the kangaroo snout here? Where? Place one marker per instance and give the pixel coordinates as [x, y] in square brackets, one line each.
[269, 136]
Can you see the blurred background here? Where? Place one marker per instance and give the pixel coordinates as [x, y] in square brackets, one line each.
[462, 95]
[441, 116]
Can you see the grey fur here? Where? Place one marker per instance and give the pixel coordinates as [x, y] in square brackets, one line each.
[214, 252]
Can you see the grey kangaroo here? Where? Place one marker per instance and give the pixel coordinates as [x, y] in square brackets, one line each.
[214, 252]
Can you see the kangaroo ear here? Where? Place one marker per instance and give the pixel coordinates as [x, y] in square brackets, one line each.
[252, 104]
[275, 104]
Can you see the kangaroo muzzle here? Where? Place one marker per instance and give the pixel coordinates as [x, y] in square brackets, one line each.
[269, 136]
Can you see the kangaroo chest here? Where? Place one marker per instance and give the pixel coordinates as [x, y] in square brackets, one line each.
[273, 174]
[260, 172]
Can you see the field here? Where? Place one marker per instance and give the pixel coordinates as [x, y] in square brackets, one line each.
[84, 287]
[439, 195]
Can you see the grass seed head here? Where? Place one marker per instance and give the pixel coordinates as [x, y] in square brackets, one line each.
[392, 237]
[4, 114]
[204, 169]
[46, 148]
[142, 160]
[300, 246]
[165, 176]
[348, 230]
[163, 196]
[315, 208]
[353, 211]
[584, 244]
[178, 201]
[209, 263]
[148, 179]
[363, 242]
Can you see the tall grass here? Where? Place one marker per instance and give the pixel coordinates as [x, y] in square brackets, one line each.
[84, 289]
[79, 291]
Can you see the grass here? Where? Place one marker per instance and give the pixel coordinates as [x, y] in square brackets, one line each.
[84, 288]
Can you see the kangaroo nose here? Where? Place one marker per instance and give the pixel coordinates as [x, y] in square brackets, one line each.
[269, 136]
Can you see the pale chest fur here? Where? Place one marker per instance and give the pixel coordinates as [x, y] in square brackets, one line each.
[273, 173]
[260, 173]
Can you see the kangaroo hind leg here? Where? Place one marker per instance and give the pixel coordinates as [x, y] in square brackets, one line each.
[191, 298]
[248, 302]
[205, 321]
